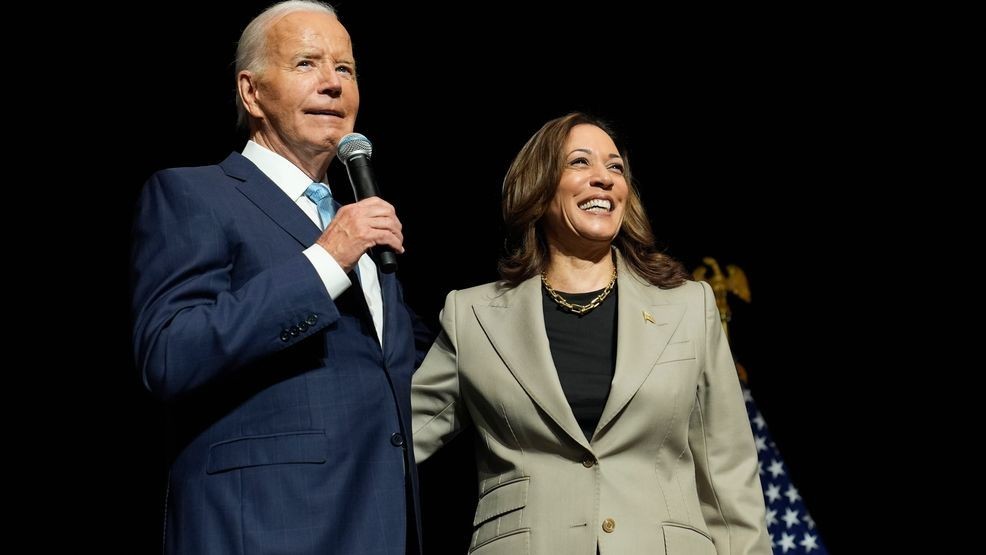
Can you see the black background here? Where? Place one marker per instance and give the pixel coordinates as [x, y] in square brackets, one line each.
[730, 121]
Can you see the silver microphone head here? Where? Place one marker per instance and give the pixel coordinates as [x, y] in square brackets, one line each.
[353, 144]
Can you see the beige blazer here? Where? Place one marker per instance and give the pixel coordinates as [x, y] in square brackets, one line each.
[671, 468]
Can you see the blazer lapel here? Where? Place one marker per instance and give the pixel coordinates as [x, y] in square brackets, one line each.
[389, 298]
[514, 324]
[270, 199]
[645, 323]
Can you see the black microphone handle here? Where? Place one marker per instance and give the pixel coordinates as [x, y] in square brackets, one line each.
[364, 187]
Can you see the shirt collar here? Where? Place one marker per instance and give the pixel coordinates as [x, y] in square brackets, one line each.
[288, 177]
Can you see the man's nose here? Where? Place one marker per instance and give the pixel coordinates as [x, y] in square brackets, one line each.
[331, 83]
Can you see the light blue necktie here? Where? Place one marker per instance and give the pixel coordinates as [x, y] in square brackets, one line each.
[327, 206]
[322, 197]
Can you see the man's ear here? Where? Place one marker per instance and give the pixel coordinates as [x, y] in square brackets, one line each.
[247, 84]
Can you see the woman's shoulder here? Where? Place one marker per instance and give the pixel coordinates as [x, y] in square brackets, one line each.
[484, 293]
[692, 293]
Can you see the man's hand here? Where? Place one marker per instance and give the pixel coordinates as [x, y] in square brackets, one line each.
[357, 227]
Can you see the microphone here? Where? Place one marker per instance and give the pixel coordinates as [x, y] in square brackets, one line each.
[355, 151]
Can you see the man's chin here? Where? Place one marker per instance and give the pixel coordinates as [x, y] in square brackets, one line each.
[332, 139]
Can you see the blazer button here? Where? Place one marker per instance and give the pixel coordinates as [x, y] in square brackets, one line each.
[588, 461]
[397, 440]
[303, 326]
[312, 318]
[294, 331]
[609, 525]
[285, 335]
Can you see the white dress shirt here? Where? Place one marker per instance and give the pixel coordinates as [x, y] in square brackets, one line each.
[294, 183]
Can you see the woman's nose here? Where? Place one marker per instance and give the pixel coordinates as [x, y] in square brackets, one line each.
[602, 178]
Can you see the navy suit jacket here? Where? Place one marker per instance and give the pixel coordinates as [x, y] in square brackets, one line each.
[290, 425]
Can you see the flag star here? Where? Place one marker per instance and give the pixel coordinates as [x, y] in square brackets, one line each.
[776, 468]
[759, 421]
[809, 542]
[792, 494]
[796, 525]
[790, 517]
[761, 443]
[787, 542]
[773, 492]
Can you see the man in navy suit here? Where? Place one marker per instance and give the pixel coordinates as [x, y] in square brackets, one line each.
[284, 356]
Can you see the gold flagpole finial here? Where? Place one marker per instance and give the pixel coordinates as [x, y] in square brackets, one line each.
[735, 283]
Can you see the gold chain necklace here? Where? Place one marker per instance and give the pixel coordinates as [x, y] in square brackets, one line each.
[579, 309]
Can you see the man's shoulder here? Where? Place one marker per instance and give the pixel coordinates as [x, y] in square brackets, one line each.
[189, 174]
[235, 161]
[201, 178]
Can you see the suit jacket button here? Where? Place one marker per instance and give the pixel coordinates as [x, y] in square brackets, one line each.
[312, 318]
[609, 525]
[303, 326]
[294, 331]
[397, 440]
[285, 336]
[588, 461]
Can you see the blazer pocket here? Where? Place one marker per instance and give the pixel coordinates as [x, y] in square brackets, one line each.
[684, 350]
[505, 497]
[680, 539]
[517, 542]
[305, 447]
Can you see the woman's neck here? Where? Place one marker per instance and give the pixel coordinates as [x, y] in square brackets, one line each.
[580, 273]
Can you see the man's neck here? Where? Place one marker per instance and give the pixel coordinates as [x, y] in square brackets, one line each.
[313, 164]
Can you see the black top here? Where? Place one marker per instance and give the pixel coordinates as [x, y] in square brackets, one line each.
[584, 351]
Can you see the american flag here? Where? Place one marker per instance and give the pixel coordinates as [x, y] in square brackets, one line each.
[792, 530]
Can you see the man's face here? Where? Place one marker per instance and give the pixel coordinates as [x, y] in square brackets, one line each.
[306, 94]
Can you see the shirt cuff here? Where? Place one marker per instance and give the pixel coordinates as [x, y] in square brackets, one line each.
[335, 280]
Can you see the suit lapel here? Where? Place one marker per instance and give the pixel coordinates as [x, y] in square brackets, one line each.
[270, 199]
[388, 296]
[514, 324]
[645, 323]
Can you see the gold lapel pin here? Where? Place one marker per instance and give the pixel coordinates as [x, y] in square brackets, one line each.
[648, 317]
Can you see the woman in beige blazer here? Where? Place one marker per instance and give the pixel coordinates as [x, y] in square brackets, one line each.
[598, 379]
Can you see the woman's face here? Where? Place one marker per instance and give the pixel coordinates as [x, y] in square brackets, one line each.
[590, 200]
